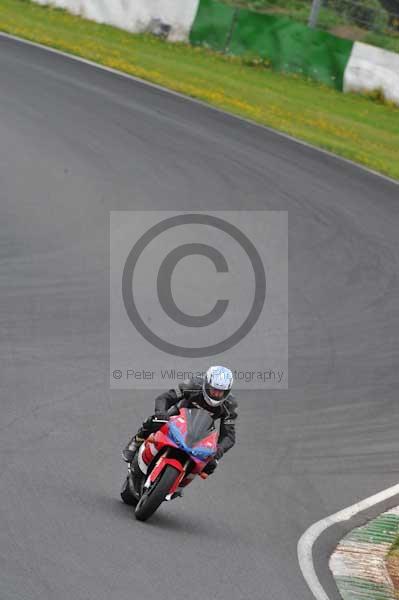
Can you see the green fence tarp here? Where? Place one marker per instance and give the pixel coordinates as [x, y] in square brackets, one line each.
[288, 45]
[292, 47]
[212, 25]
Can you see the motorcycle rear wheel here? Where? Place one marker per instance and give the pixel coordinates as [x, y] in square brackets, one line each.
[155, 495]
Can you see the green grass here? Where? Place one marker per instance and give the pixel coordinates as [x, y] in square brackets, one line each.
[352, 126]
[390, 42]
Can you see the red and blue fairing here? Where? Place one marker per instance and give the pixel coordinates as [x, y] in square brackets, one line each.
[190, 432]
[193, 432]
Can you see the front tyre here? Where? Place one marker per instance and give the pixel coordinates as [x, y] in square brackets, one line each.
[126, 494]
[155, 495]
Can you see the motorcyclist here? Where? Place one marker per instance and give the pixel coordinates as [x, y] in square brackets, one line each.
[212, 393]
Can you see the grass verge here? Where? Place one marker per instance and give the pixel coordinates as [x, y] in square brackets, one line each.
[358, 128]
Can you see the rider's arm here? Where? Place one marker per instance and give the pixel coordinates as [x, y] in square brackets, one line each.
[227, 436]
[164, 401]
[173, 396]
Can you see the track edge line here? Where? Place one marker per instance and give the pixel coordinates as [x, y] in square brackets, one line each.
[310, 536]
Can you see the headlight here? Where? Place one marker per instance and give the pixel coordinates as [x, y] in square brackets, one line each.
[201, 452]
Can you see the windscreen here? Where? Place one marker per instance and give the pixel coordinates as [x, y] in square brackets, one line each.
[199, 425]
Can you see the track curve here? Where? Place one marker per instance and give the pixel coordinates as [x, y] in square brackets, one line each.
[77, 142]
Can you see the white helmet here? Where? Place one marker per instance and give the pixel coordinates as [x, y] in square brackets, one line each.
[217, 385]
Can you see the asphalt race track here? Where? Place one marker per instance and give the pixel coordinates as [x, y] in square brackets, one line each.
[77, 142]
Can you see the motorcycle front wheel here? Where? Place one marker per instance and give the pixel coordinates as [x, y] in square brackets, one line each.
[155, 495]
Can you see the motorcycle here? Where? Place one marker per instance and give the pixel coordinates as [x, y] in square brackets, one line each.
[169, 459]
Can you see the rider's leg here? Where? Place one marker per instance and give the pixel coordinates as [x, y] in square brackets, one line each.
[130, 449]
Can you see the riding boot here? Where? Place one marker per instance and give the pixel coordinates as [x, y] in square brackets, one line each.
[145, 430]
[131, 448]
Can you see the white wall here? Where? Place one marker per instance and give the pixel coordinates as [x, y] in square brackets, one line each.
[135, 15]
[371, 68]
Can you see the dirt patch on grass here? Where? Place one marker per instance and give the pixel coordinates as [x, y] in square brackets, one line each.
[392, 562]
[349, 32]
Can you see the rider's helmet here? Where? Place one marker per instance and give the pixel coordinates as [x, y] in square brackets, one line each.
[217, 385]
